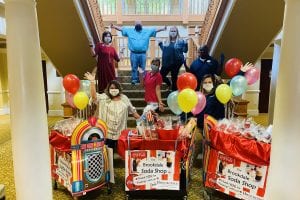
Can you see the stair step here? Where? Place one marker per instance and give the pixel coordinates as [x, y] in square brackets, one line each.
[129, 86]
[141, 93]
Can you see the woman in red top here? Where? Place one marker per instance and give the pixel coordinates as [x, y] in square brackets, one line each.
[106, 54]
[151, 81]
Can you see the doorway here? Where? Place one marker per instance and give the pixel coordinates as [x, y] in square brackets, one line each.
[265, 79]
[44, 66]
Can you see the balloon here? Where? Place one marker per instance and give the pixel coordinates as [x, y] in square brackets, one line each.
[200, 105]
[173, 103]
[85, 86]
[238, 85]
[71, 83]
[69, 99]
[187, 99]
[233, 66]
[252, 75]
[81, 100]
[223, 93]
[92, 120]
[186, 80]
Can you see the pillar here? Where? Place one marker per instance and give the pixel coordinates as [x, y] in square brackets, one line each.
[284, 177]
[29, 128]
[274, 74]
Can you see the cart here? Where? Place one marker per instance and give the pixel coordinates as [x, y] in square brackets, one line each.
[233, 164]
[80, 162]
[156, 168]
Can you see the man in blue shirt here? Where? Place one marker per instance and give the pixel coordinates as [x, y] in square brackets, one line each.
[138, 43]
[204, 64]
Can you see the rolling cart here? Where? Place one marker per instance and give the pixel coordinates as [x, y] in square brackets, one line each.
[233, 164]
[80, 162]
[156, 168]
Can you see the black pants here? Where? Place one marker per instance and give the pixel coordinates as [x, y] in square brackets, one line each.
[174, 69]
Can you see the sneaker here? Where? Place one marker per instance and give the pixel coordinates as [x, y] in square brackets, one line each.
[133, 83]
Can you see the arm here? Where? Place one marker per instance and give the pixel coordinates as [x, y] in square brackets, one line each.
[91, 78]
[158, 95]
[185, 47]
[116, 57]
[119, 28]
[160, 44]
[141, 76]
[161, 29]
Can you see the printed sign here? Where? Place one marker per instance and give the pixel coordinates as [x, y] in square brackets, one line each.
[64, 171]
[151, 170]
[236, 178]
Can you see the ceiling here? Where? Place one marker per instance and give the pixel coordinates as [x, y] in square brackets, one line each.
[250, 28]
[63, 38]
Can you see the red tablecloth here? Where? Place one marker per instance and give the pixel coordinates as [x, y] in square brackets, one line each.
[142, 144]
[239, 147]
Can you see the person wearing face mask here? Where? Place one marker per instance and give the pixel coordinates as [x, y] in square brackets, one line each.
[138, 43]
[204, 64]
[172, 57]
[151, 81]
[106, 56]
[213, 107]
[113, 109]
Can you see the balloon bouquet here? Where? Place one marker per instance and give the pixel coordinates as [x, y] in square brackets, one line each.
[76, 91]
[186, 99]
[238, 83]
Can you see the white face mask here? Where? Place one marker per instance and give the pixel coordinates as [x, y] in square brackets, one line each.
[173, 34]
[107, 39]
[208, 87]
[114, 92]
[154, 68]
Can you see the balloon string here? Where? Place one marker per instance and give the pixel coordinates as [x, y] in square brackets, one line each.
[185, 117]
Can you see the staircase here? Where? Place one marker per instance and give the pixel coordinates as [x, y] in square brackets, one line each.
[136, 95]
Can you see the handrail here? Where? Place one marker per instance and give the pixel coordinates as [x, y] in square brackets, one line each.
[212, 21]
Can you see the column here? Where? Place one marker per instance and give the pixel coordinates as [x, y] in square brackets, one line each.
[27, 102]
[284, 177]
[275, 66]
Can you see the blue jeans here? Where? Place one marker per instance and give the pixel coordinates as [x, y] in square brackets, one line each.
[137, 60]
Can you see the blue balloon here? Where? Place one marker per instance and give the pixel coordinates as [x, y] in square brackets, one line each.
[173, 103]
[238, 85]
[85, 86]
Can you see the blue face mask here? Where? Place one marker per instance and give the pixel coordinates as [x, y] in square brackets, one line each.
[154, 68]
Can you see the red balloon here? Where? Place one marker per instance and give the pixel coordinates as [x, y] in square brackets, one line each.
[71, 83]
[233, 66]
[186, 80]
[92, 120]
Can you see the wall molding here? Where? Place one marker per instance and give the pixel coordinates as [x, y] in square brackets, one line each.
[54, 92]
[4, 91]
[4, 111]
[253, 91]
[253, 112]
[55, 113]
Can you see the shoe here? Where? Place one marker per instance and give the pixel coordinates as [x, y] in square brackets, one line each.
[133, 83]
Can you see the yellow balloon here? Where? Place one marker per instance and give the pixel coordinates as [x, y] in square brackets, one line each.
[81, 100]
[223, 93]
[187, 99]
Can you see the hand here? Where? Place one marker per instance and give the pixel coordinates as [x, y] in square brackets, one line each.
[161, 107]
[89, 76]
[91, 43]
[141, 71]
[246, 67]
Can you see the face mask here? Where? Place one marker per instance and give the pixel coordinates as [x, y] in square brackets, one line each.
[107, 39]
[114, 92]
[138, 27]
[173, 34]
[154, 68]
[208, 87]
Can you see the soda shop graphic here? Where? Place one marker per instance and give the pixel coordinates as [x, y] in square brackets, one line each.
[151, 170]
[236, 178]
